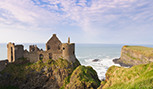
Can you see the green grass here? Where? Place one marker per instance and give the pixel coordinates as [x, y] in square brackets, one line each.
[133, 58]
[136, 77]
[17, 69]
[20, 68]
[82, 76]
[146, 51]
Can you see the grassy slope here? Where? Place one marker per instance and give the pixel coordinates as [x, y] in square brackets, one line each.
[82, 77]
[136, 77]
[146, 51]
[21, 68]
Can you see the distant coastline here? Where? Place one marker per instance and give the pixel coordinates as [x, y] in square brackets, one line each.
[134, 55]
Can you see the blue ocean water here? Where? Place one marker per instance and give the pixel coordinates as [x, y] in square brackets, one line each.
[86, 53]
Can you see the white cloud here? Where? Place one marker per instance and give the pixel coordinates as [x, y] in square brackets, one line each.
[90, 16]
[28, 12]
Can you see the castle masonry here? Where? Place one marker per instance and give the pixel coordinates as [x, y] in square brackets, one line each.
[55, 49]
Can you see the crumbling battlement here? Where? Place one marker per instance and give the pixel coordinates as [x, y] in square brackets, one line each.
[55, 49]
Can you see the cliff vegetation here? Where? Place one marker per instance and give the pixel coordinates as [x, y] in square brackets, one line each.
[82, 78]
[26, 75]
[136, 77]
[135, 55]
[53, 74]
[146, 51]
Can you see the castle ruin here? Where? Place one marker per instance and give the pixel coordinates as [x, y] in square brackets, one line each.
[55, 49]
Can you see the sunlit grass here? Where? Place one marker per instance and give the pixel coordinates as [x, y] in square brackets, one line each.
[146, 51]
[136, 77]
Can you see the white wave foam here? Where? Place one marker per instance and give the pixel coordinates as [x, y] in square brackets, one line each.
[100, 66]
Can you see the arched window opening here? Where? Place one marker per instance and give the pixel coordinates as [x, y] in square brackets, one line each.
[48, 47]
[41, 57]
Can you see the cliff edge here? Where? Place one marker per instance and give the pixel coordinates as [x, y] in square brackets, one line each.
[53, 74]
[135, 55]
[136, 77]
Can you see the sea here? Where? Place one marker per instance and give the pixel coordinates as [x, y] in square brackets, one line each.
[86, 54]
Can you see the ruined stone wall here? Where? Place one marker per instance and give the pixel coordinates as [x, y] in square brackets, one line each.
[42, 55]
[56, 56]
[32, 56]
[33, 48]
[54, 50]
[19, 51]
[11, 52]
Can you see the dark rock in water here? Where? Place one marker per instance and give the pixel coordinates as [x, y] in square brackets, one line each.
[95, 60]
[117, 61]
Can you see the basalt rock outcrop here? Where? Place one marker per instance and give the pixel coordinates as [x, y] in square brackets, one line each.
[135, 55]
[53, 74]
[39, 75]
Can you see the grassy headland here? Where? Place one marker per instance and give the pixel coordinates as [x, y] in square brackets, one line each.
[146, 51]
[136, 77]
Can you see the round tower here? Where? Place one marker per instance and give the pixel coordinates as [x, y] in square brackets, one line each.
[68, 51]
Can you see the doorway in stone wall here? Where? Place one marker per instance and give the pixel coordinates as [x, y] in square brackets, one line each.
[50, 55]
[41, 57]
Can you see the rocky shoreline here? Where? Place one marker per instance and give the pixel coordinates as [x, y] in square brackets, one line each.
[117, 61]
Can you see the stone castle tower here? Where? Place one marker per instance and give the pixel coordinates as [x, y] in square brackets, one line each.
[55, 49]
[14, 52]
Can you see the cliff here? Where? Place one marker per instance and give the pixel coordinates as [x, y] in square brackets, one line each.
[135, 55]
[39, 75]
[82, 78]
[136, 77]
[53, 74]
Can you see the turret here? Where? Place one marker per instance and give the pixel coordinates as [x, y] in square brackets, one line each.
[14, 51]
[68, 51]
[68, 40]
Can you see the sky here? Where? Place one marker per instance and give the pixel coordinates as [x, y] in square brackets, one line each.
[84, 21]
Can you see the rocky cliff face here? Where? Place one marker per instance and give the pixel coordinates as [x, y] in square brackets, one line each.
[135, 55]
[39, 75]
[82, 78]
[53, 74]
